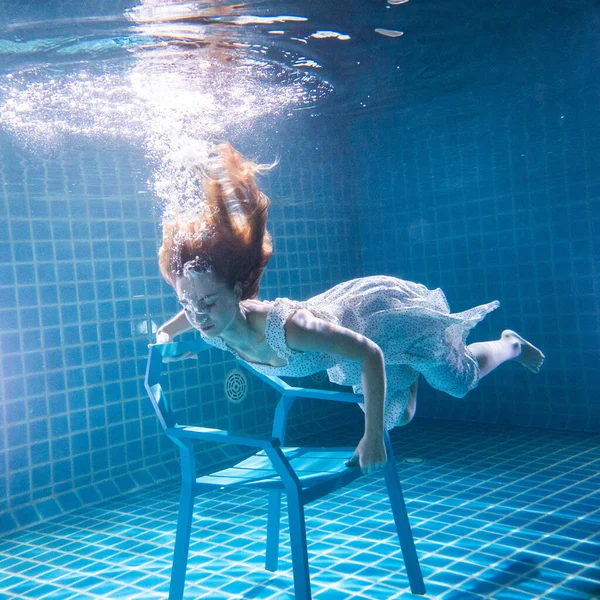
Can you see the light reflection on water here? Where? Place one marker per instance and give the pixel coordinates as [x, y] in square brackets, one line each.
[172, 78]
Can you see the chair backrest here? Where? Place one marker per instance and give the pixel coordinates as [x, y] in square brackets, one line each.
[154, 368]
[288, 392]
[300, 392]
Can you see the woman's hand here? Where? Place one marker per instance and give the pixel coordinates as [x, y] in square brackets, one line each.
[369, 454]
[162, 337]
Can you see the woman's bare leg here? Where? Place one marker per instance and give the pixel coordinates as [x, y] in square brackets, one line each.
[411, 407]
[510, 346]
[489, 355]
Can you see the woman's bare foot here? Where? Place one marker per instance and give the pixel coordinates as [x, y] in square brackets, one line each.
[530, 356]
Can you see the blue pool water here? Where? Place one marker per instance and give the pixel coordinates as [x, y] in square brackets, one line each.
[453, 144]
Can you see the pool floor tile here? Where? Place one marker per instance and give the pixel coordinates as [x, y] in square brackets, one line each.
[497, 513]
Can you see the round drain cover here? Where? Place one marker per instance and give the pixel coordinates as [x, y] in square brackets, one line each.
[236, 385]
[414, 461]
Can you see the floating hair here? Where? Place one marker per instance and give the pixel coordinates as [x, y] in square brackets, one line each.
[230, 238]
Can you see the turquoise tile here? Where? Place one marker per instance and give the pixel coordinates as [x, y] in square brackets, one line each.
[467, 546]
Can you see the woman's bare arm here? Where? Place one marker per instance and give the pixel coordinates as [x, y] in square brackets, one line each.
[305, 332]
[177, 325]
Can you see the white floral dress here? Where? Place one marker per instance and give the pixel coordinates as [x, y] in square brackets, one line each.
[410, 323]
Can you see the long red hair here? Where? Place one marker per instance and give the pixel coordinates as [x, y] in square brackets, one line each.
[230, 238]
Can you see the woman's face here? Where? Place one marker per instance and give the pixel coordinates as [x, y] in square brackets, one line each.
[209, 304]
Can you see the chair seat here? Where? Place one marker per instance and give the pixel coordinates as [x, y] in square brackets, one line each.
[312, 466]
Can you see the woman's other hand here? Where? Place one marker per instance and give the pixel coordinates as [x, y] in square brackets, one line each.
[179, 357]
[369, 454]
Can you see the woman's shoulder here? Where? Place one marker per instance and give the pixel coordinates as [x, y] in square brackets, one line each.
[256, 312]
[257, 307]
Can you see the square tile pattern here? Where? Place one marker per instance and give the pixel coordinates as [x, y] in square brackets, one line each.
[497, 512]
[81, 297]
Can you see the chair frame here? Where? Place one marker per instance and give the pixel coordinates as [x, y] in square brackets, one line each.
[297, 495]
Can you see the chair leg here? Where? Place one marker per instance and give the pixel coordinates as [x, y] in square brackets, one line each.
[182, 543]
[407, 544]
[273, 530]
[299, 549]
[184, 521]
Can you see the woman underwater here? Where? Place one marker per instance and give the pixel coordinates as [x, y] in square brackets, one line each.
[377, 334]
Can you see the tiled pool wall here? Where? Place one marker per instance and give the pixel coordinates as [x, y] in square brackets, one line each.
[80, 294]
[501, 205]
[493, 194]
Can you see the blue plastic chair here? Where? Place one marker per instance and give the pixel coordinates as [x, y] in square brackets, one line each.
[304, 474]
